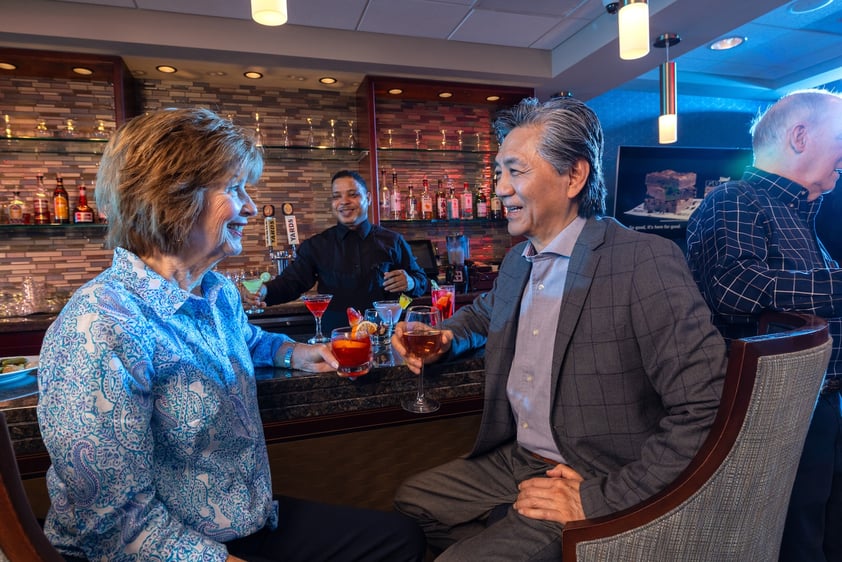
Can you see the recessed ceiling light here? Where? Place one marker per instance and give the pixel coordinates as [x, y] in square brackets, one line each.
[253, 75]
[327, 80]
[166, 69]
[7, 66]
[492, 98]
[396, 91]
[727, 43]
[216, 73]
[807, 6]
[83, 71]
[138, 72]
[445, 94]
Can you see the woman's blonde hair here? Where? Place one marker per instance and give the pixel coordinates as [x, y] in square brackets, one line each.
[153, 174]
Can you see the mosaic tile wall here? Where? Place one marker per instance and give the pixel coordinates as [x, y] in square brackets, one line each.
[299, 175]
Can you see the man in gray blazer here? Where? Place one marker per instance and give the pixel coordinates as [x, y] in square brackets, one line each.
[603, 370]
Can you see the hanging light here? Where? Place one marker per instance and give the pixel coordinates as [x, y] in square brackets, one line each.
[269, 12]
[668, 119]
[633, 22]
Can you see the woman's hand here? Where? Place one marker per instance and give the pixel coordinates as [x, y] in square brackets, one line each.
[414, 363]
[315, 358]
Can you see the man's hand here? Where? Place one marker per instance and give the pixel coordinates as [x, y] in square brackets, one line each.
[397, 281]
[555, 498]
[414, 363]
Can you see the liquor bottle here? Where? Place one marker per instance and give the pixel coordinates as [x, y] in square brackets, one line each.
[413, 211]
[41, 203]
[452, 201]
[398, 212]
[496, 211]
[426, 201]
[482, 204]
[385, 198]
[83, 214]
[61, 205]
[441, 201]
[466, 202]
[15, 209]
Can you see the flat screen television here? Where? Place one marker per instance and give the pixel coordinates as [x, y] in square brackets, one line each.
[659, 187]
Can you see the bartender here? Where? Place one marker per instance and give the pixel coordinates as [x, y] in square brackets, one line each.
[355, 261]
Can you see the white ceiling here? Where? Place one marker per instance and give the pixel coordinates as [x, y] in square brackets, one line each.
[550, 45]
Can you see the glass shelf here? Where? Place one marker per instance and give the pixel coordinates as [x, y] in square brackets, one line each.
[81, 230]
[81, 145]
[52, 145]
[291, 153]
[446, 222]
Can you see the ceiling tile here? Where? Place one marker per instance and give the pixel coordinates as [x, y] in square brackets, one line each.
[520, 30]
[415, 18]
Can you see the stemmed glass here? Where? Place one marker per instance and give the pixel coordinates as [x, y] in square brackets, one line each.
[251, 281]
[311, 134]
[352, 139]
[317, 304]
[422, 339]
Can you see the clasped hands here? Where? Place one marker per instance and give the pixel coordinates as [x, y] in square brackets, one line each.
[554, 498]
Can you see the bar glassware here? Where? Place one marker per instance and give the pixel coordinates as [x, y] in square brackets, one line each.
[422, 339]
[317, 304]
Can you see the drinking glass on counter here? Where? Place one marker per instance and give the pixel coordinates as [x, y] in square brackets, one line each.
[390, 312]
[352, 349]
[444, 299]
[422, 338]
[317, 304]
[381, 338]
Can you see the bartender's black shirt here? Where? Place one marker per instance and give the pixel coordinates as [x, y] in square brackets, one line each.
[346, 263]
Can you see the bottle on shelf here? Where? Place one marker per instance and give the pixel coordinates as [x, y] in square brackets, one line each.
[453, 212]
[61, 204]
[397, 199]
[413, 211]
[83, 214]
[385, 198]
[466, 202]
[16, 209]
[441, 201]
[40, 203]
[495, 205]
[426, 200]
[481, 204]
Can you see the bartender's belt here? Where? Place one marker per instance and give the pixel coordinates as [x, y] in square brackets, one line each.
[831, 385]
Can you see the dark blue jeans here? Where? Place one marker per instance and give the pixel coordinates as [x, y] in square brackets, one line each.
[813, 530]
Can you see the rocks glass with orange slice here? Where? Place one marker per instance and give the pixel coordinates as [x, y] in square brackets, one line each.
[351, 345]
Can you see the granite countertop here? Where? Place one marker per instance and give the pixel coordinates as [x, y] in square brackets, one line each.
[296, 403]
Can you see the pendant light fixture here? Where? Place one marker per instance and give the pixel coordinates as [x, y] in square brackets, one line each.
[668, 119]
[633, 25]
[269, 12]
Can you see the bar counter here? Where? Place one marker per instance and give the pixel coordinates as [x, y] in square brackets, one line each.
[296, 405]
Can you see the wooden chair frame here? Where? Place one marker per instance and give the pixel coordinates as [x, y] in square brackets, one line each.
[21, 537]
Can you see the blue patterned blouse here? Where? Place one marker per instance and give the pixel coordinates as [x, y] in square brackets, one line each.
[148, 408]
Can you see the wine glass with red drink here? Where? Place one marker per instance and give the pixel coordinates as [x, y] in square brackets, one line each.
[422, 338]
[317, 304]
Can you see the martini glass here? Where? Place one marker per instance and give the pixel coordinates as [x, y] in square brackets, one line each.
[390, 312]
[251, 282]
[317, 304]
[422, 339]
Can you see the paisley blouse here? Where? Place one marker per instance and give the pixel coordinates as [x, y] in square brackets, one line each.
[148, 408]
